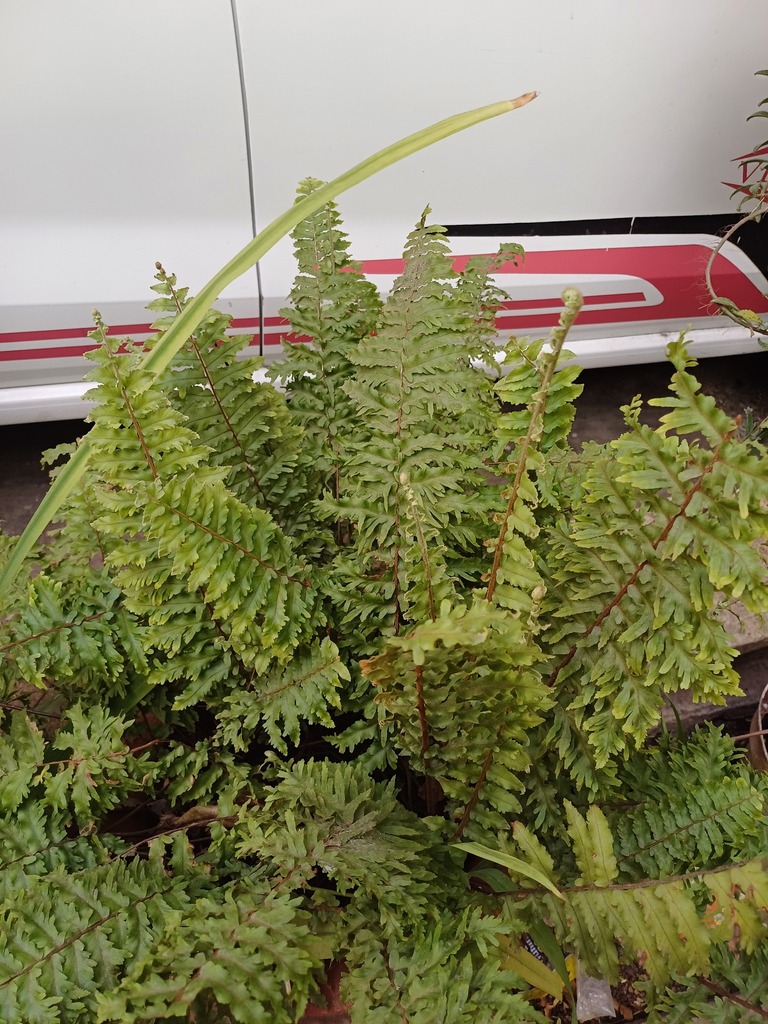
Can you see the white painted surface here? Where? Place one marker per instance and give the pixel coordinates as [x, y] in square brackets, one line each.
[43, 403]
[642, 104]
[123, 141]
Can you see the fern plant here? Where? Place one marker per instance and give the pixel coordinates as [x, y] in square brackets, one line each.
[674, 880]
[293, 659]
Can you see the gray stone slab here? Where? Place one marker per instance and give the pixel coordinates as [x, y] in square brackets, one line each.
[753, 671]
[749, 631]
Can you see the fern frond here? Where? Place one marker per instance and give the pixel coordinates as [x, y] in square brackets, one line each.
[34, 840]
[664, 924]
[421, 407]
[514, 582]
[246, 951]
[206, 775]
[524, 367]
[234, 557]
[482, 298]
[665, 523]
[734, 992]
[425, 583]
[458, 697]
[75, 544]
[333, 306]
[22, 753]
[334, 818]
[692, 412]
[246, 425]
[98, 773]
[697, 803]
[75, 630]
[206, 571]
[138, 434]
[70, 936]
[306, 690]
[449, 971]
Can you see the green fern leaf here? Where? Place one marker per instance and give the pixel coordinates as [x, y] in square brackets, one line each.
[96, 776]
[69, 936]
[734, 992]
[696, 803]
[514, 581]
[421, 408]
[22, 752]
[663, 924]
[333, 305]
[335, 818]
[661, 528]
[304, 691]
[247, 950]
[449, 971]
[458, 696]
[77, 630]
[246, 425]
[205, 570]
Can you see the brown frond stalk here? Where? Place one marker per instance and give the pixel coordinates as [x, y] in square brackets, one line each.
[573, 302]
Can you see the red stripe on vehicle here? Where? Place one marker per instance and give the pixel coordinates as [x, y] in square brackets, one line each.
[677, 271]
[534, 321]
[10, 355]
[61, 334]
[58, 352]
[64, 333]
[275, 337]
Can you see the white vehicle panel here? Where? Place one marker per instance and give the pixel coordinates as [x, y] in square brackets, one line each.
[123, 144]
[641, 105]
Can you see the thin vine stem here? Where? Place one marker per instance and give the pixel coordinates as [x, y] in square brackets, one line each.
[724, 305]
[643, 883]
